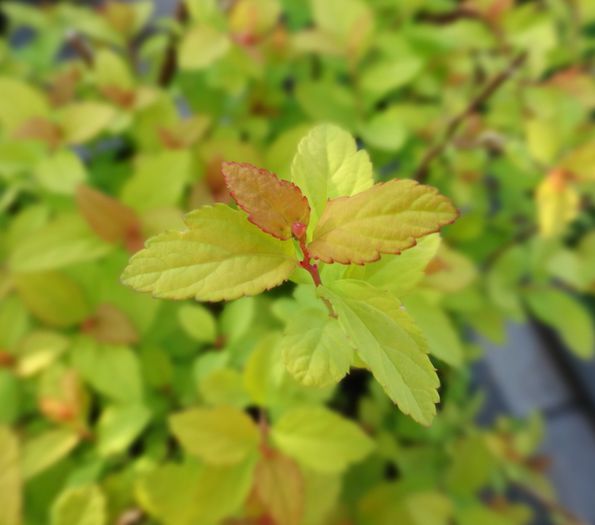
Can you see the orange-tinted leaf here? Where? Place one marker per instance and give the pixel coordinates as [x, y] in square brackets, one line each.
[387, 218]
[110, 325]
[110, 219]
[279, 486]
[272, 204]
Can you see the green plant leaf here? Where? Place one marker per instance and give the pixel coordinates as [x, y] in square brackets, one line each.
[11, 498]
[328, 165]
[387, 218]
[147, 189]
[44, 450]
[198, 322]
[53, 298]
[442, 336]
[220, 256]
[398, 273]
[320, 439]
[279, 486]
[389, 74]
[119, 425]
[112, 370]
[80, 506]
[82, 121]
[220, 436]
[19, 102]
[389, 343]
[567, 316]
[193, 494]
[61, 172]
[65, 241]
[315, 349]
[272, 204]
[201, 47]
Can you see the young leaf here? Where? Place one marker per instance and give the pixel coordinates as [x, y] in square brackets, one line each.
[45, 450]
[558, 203]
[443, 338]
[272, 204]
[198, 322]
[52, 297]
[192, 494]
[315, 349]
[11, 499]
[119, 425]
[201, 47]
[387, 218]
[320, 439]
[389, 343]
[80, 506]
[219, 436]
[399, 273]
[328, 165]
[279, 486]
[220, 256]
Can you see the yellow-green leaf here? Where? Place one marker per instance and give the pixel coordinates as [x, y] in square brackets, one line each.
[19, 102]
[315, 349]
[220, 256]
[389, 343]
[219, 436]
[43, 451]
[11, 499]
[80, 506]
[328, 165]
[399, 273]
[201, 47]
[83, 121]
[320, 439]
[387, 218]
[272, 204]
[53, 297]
[61, 172]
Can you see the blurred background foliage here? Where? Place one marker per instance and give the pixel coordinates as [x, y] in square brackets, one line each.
[114, 120]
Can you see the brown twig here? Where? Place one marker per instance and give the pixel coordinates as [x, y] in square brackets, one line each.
[76, 42]
[170, 62]
[486, 92]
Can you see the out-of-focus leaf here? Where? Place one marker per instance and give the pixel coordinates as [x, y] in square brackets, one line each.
[53, 298]
[65, 241]
[201, 47]
[11, 497]
[19, 102]
[198, 322]
[119, 425]
[219, 436]
[320, 439]
[558, 203]
[43, 451]
[279, 486]
[61, 172]
[80, 506]
[83, 121]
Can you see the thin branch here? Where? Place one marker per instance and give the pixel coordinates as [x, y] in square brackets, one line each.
[486, 92]
[169, 66]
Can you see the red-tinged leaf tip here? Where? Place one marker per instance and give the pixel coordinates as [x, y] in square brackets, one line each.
[272, 204]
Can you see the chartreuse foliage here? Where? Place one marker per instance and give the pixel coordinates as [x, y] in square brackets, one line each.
[220, 255]
[119, 408]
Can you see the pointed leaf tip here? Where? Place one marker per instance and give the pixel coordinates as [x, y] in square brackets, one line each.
[272, 204]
